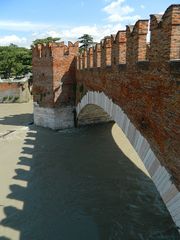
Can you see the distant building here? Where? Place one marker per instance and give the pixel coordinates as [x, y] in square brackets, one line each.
[15, 89]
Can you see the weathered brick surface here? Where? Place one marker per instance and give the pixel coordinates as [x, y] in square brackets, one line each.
[143, 79]
[54, 74]
[8, 86]
[146, 84]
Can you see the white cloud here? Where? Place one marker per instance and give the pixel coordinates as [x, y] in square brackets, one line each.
[142, 6]
[66, 33]
[97, 32]
[113, 6]
[54, 34]
[22, 26]
[119, 12]
[119, 18]
[72, 34]
[79, 31]
[6, 40]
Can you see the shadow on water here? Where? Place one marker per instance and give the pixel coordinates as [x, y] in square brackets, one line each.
[17, 120]
[81, 186]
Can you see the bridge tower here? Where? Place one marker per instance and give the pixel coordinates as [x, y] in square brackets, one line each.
[53, 84]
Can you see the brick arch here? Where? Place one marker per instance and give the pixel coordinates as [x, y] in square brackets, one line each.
[92, 114]
[159, 175]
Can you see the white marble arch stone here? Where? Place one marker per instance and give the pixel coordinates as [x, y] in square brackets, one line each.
[160, 176]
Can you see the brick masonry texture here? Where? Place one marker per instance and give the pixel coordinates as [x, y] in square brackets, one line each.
[160, 176]
[54, 74]
[136, 83]
[144, 80]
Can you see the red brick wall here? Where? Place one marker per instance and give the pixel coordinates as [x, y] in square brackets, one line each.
[54, 74]
[143, 80]
[9, 86]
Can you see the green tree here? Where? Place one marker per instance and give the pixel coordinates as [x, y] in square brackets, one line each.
[14, 61]
[86, 41]
[45, 40]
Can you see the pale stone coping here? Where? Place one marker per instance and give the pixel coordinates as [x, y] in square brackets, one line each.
[160, 176]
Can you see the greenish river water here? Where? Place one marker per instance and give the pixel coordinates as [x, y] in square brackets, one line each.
[82, 187]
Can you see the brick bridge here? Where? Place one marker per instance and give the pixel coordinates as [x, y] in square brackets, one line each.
[125, 79]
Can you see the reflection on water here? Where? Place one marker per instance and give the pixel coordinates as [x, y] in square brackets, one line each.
[82, 187]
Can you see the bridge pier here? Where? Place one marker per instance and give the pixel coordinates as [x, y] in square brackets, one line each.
[54, 118]
[54, 82]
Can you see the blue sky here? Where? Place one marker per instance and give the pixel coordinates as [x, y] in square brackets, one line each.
[22, 21]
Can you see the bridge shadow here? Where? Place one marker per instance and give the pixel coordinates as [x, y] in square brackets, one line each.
[17, 120]
[81, 186]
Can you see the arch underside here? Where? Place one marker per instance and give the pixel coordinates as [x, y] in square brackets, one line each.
[92, 114]
[96, 107]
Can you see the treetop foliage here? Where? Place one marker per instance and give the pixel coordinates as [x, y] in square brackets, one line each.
[86, 42]
[45, 40]
[14, 61]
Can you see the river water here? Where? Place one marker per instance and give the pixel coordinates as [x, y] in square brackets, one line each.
[81, 186]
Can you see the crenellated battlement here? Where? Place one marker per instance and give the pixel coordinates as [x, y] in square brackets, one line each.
[119, 48]
[131, 46]
[97, 55]
[54, 73]
[54, 50]
[136, 42]
[165, 32]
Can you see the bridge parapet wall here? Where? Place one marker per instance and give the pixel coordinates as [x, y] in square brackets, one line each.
[140, 78]
[144, 80]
